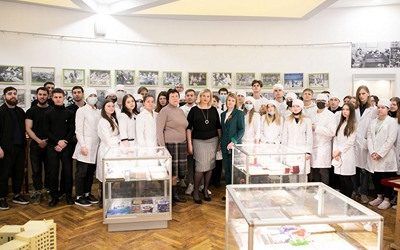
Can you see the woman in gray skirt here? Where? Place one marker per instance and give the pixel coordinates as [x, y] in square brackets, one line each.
[203, 133]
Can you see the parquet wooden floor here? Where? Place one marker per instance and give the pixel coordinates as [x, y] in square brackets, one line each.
[193, 226]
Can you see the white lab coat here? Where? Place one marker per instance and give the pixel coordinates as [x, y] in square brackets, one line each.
[258, 102]
[146, 129]
[346, 147]
[271, 133]
[361, 149]
[397, 149]
[282, 107]
[127, 128]
[187, 108]
[382, 142]
[310, 112]
[325, 128]
[86, 121]
[252, 131]
[108, 139]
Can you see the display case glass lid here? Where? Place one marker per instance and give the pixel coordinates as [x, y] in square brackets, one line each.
[129, 153]
[269, 149]
[296, 203]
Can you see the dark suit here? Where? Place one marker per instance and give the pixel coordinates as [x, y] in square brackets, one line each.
[232, 131]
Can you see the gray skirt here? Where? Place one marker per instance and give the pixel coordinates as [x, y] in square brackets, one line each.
[204, 152]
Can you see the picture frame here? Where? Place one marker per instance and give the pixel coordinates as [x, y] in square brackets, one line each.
[21, 96]
[171, 78]
[73, 77]
[270, 79]
[68, 100]
[244, 80]
[40, 75]
[221, 79]
[125, 77]
[99, 78]
[293, 81]
[148, 78]
[10, 74]
[197, 79]
[318, 80]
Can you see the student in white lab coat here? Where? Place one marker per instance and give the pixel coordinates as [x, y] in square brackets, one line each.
[364, 115]
[297, 131]
[252, 122]
[310, 108]
[271, 124]
[290, 96]
[381, 162]
[343, 149]
[146, 124]
[279, 98]
[86, 120]
[324, 129]
[127, 121]
[259, 99]
[112, 95]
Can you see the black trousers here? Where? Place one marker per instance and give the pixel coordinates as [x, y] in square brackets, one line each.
[38, 158]
[345, 184]
[12, 165]
[84, 177]
[216, 173]
[54, 159]
[379, 188]
[71, 149]
[320, 175]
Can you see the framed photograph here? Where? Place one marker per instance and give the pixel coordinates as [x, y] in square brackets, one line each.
[153, 92]
[293, 80]
[98, 78]
[72, 77]
[40, 75]
[197, 79]
[243, 80]
[148, 78]
[20, 97]
[270, 79]
[11, 74]
[318, 80]
[221, 79]
[171, 78]
[125, 77]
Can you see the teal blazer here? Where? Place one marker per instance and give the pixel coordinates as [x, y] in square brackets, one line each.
[232, 129]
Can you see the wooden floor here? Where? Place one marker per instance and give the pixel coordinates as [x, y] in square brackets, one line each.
[193, 226]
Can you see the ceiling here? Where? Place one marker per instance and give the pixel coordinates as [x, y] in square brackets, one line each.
[209, 9]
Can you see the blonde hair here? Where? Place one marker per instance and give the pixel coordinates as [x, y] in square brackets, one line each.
[234, 96]
[275, 118]
[301, 117]
[204, 91]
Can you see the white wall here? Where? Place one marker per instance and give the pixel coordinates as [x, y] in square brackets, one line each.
[367, 24]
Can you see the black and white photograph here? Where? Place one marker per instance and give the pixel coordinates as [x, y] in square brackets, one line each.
[125, 77]
[293, 80]
[221, 79]
[20, 97]
[72, 77]
[243, 80]
[197, 79]
[11, 74]
[153, 92]
[171, 78]
[318, 80]
[98, 78]
[375, 55]
[270, 79]
[395, 55]
[148, 77]
[40, 75]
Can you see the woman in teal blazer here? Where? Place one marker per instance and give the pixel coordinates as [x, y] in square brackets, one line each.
[232, 122]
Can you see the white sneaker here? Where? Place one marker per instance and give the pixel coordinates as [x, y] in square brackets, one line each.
[384, 205]
[364, 199]
[376, 202]
[189, 189]
[201, 190]
[394, 207]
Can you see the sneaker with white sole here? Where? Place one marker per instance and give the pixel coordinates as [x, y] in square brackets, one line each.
[364, 199]
[19, 199]
[376, 202]
[384, 205]
[4, 204]
[83, 202]
[189, 189]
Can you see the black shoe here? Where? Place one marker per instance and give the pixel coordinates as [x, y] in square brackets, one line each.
[91, 199]
[53, 201]
[83, 202]
[36, 197]
[196, 198]
[4, 204]
[206, 195]
[19, 199]
[176, 198]
[69, 200]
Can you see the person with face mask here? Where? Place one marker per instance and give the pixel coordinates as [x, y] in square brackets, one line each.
[223, 93]
[86, 120]
[324, 129]
[271, 124]
[120, 93]
[290, 97]
[12, 148]
[252, 121]
[139, 102]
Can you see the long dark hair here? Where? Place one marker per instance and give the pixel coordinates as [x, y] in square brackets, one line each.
[351, 121]
[125, 109]
[363, 87]
[114, 125]
[159, 107]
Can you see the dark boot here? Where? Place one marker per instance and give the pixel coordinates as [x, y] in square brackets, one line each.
[175, 196]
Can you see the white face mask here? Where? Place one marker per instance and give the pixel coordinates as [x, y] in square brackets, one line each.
[248, 106]
[138, 106]
[92, 100]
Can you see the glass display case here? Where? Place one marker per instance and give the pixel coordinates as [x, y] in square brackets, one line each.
[137, 188]
[268, 163]
[298, 216]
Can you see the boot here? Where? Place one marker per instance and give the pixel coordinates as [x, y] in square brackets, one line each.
[175, 196]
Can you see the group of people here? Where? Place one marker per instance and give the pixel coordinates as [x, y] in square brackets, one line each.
[346, 146]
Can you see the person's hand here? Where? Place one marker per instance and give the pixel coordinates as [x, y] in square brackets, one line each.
[62, 143]
[336, 153]
[125, 143]
[377, 157]
[337, 158]
[42, 143]
[190, 149]
[1, 153]
[308, 157]
[84, 151]
[230, 145]
[58, 149]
